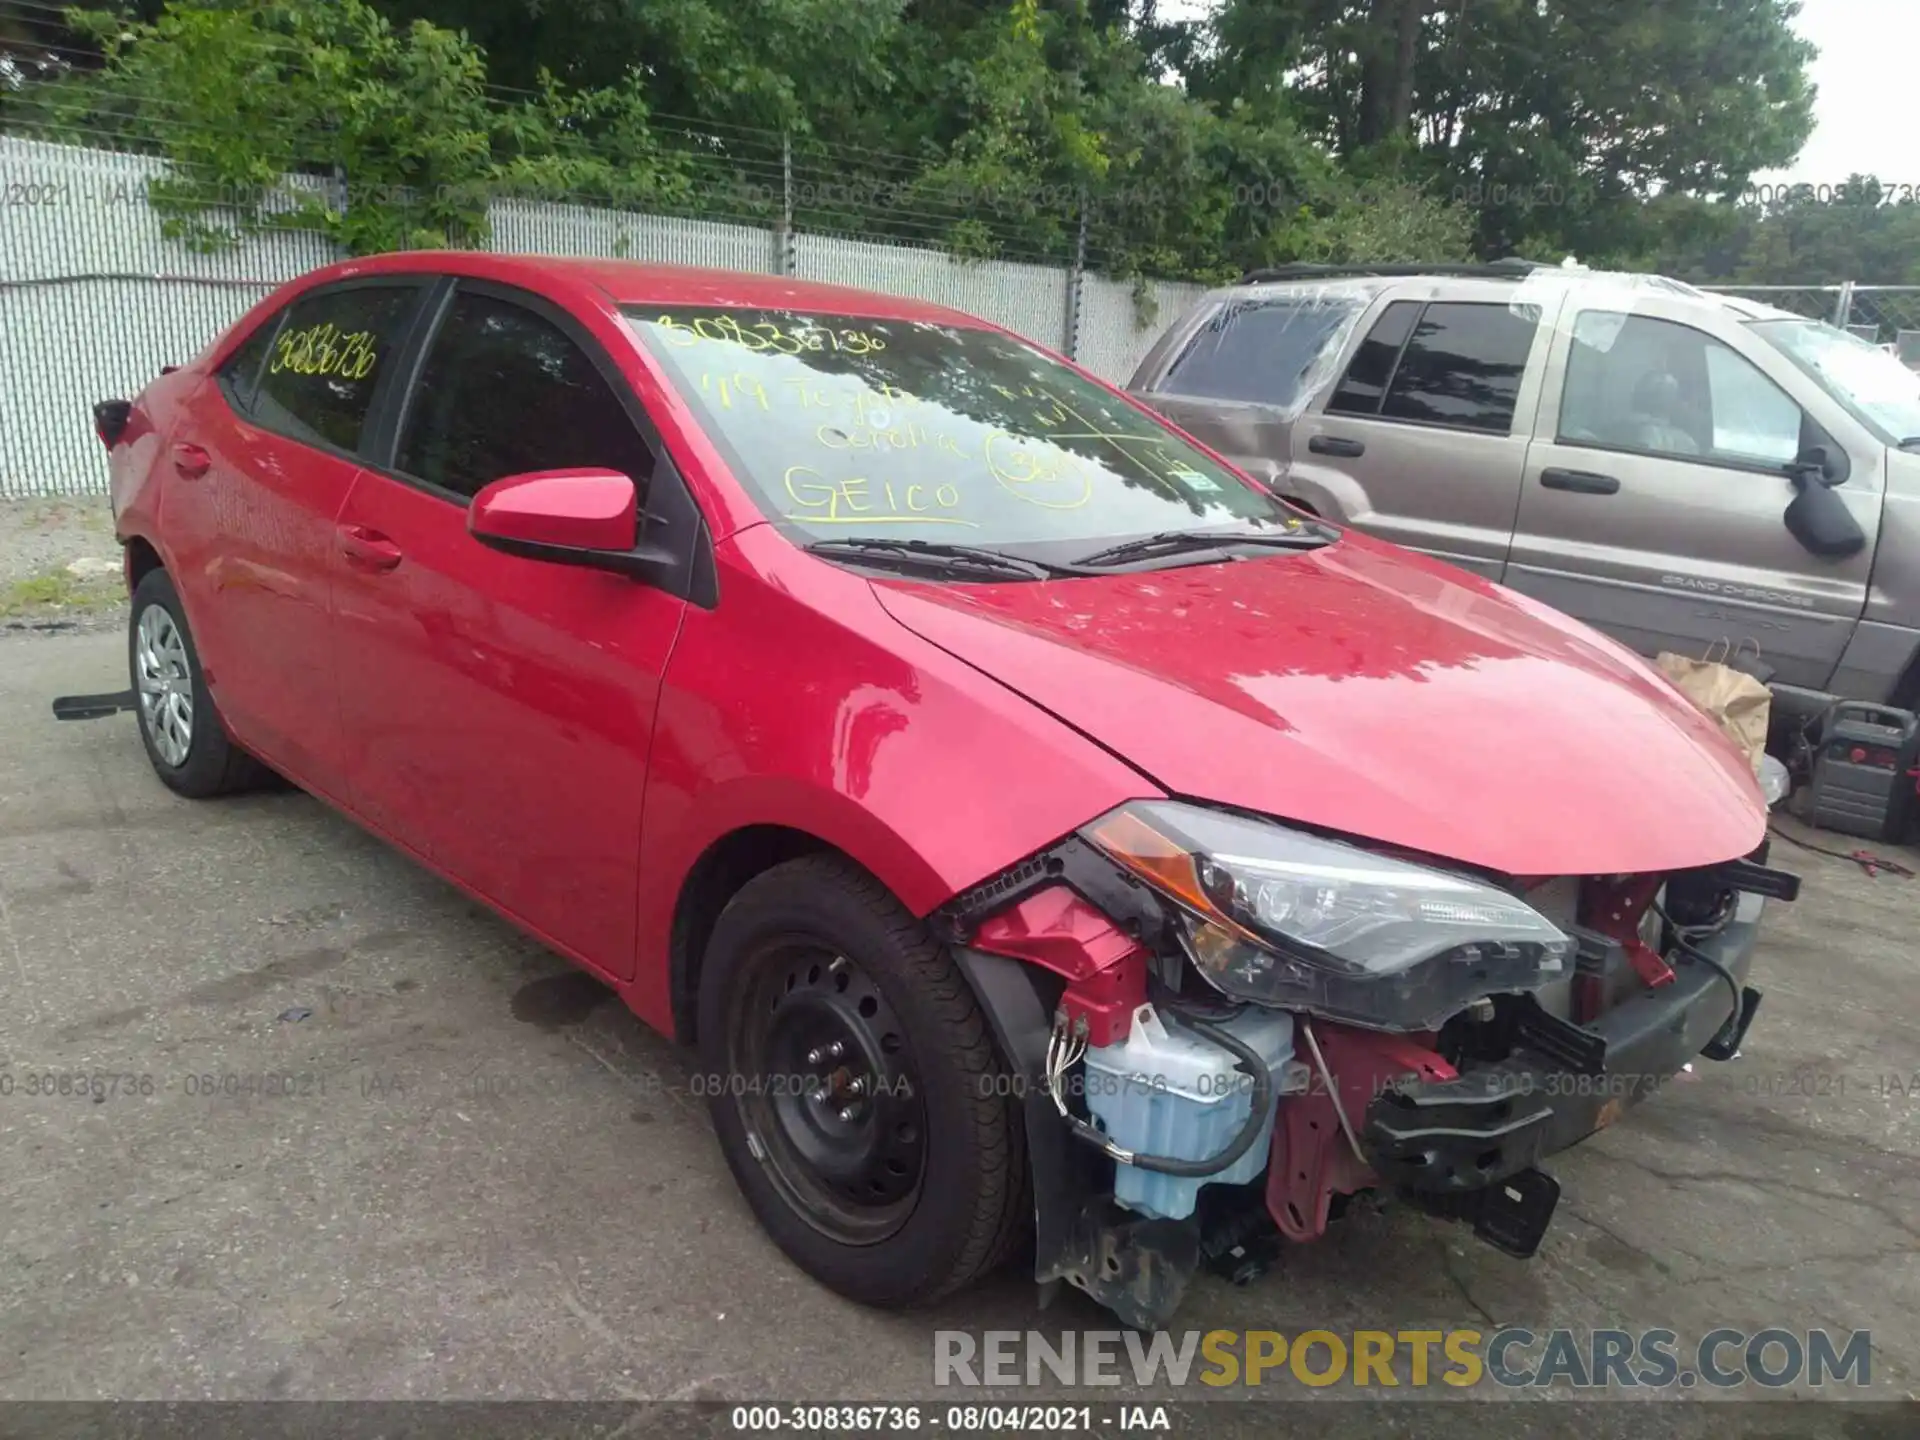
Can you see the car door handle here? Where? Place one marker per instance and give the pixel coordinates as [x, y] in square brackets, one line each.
[370, 548]
[191, 461]
[1337, 445]
[1581, 482]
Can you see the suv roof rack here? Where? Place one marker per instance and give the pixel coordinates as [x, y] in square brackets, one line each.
[1490, 270]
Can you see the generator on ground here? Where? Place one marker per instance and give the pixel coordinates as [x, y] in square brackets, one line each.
[1862, 759]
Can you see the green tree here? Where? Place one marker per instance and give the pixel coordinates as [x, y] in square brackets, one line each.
[1039, 108]
[1859, 230]
[252, 102]
[777, 64]
[1014, 128]
[1556, 121]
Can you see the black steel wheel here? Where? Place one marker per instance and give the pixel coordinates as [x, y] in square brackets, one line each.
[857, 1093]
[836, 1106]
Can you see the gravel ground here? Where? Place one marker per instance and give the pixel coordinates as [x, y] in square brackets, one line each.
[39, 539]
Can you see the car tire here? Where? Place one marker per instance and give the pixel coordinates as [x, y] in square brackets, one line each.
[183, 734]
[816, 953]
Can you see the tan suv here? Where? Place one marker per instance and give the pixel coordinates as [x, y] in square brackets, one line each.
[1670, 466]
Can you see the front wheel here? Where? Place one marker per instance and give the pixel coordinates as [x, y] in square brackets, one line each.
[858, 1096]
[184, 738]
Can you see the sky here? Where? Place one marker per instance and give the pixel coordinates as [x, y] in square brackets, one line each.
[1865, 73]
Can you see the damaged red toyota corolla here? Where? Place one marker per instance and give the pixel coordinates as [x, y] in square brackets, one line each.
[1032, 822]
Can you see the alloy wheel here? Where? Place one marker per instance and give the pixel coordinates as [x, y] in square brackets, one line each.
[165, 679]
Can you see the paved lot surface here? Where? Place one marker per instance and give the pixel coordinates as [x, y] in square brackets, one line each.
[489, 1181]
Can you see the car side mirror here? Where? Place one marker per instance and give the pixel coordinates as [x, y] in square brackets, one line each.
[568, 517]
[1816, 517]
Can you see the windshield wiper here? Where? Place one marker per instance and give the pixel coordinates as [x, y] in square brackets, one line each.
[938, 554]
[1167, 542]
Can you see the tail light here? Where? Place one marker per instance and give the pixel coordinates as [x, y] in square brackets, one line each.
[110, 420]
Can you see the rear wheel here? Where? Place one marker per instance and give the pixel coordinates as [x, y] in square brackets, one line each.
[858, 1096]
[189, 747]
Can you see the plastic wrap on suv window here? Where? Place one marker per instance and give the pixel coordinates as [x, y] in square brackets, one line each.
[1611, 292]
[1320, 320]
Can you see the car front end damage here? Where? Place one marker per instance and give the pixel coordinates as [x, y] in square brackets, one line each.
[1222, 1029]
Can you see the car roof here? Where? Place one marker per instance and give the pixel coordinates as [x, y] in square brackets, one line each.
[633, 282]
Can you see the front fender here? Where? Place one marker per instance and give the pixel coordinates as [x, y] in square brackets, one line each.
[1137, 1267]
[799, 702]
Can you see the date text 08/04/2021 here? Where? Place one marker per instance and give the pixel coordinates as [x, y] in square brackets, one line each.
[32, 1083]
[1511, 1358]
[101, 1085]
[879, 1419]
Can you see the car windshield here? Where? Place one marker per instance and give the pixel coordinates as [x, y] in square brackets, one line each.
[909, 430]
[1875, 386]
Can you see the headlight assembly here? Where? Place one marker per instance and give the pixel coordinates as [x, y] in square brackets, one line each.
[1287, 919]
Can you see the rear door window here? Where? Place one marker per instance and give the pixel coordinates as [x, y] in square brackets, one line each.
[1463, 366]
[1375, 361]
[504, 392]
[1266, 352]
[327, 358]
[241, 374]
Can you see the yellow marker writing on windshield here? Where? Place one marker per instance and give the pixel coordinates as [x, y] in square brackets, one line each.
[725, 387]
[859, 500]
[1039, 473]
[912, 436]
[768, 337]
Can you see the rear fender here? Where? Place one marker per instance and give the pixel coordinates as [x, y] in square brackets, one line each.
[136, 463]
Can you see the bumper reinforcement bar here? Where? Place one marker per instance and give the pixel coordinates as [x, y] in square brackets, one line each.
[1452, 1137]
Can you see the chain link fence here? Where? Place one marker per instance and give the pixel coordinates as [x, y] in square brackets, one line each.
[1887, 315]
[96, 294]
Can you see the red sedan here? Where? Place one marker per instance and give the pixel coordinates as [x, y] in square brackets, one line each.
[1032, 821]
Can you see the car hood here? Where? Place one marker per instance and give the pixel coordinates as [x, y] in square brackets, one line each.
[1369, 691]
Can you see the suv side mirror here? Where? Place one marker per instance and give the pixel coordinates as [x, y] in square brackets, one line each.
[568, 517]
[1816, 517]
[1819, 462]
